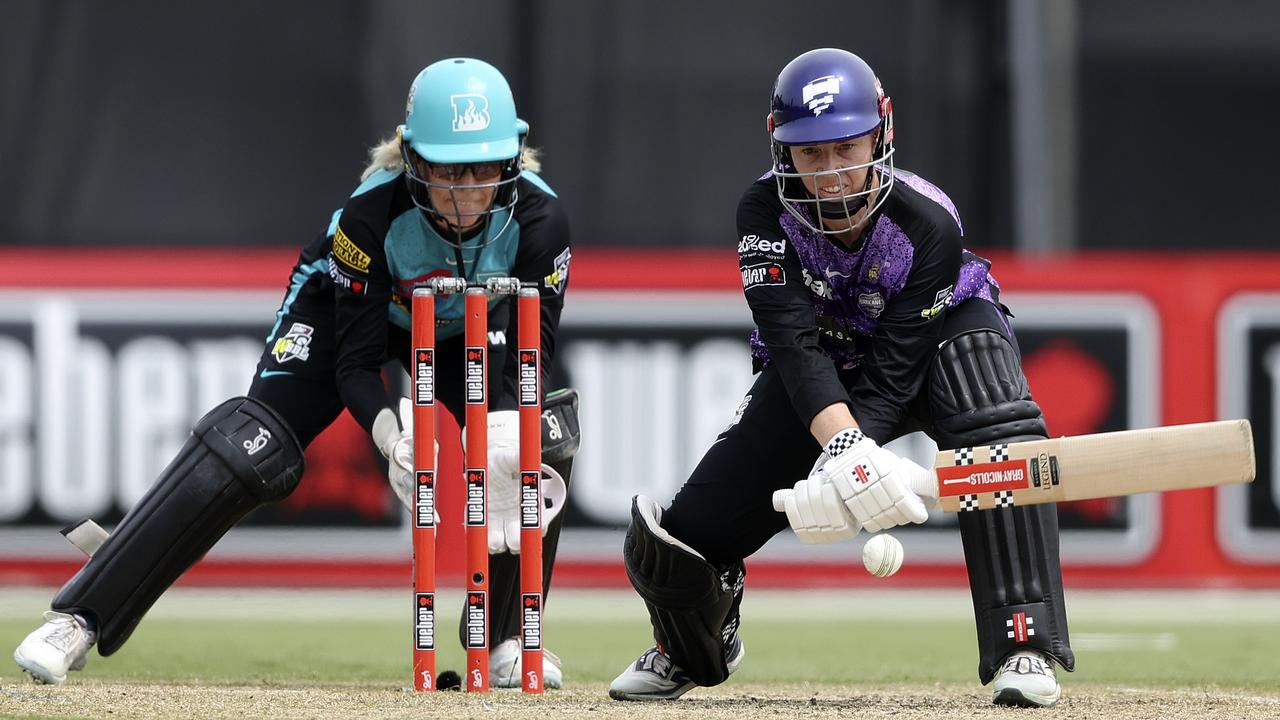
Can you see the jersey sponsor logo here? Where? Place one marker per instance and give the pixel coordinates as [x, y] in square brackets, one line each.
[983, 477]
[821, 288]
[295, 345]
[765, 274]
[560, 275]
[347, 253]
[424, 625]
[470, 112]
[818, 94]
[755, 243]
[833, 274]
[940, 301]
[343, 279]
[871, 303]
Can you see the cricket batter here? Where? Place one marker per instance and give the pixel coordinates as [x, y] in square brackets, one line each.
[872, 321]
[455, 193]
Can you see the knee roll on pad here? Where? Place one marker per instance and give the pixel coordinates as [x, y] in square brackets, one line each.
[692, 604]
[978, 394]
[239, 456]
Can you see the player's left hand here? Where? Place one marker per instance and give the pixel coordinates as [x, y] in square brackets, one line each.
[504, 484]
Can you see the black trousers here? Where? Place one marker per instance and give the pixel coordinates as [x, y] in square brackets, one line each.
[725, 508]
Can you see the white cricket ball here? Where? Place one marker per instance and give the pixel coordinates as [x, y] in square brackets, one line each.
[882, 555]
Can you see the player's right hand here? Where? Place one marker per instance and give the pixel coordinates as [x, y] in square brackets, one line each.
[395, 440]
[815, 511]
[880, 489]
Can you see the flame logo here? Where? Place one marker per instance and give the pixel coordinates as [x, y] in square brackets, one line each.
[470, 112]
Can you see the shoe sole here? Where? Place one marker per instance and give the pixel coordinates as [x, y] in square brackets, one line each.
[37, 673]
[1013, 697]
[647, 697]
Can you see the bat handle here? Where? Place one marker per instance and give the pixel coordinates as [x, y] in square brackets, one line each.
[780, 499]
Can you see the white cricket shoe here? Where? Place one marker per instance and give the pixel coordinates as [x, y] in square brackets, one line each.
[1026, 679]
[505, 666]
[654, 677]
[62, 643]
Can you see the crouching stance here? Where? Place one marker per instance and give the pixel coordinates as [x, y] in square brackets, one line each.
[871, 321]
[438, 199]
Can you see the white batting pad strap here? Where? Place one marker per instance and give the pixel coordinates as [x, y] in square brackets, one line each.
[88, 536]
[651, 514]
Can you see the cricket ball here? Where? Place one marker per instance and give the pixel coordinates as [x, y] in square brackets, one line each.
[882, 555]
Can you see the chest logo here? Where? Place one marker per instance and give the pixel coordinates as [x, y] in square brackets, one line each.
[873, 273]
[819, 94]
[348, 253]
[871, 303]
[470, 112]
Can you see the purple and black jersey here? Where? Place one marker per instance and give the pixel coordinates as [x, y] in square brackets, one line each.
[820, 307]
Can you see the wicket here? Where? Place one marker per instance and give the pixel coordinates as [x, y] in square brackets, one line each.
[476, 393]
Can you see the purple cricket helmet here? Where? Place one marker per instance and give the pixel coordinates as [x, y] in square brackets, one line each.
[823, 96]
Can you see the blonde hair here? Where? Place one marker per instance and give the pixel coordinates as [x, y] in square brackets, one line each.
[386, 156]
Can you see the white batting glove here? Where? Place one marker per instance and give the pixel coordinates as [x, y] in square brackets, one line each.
[395, 440]
[815, 511]
[880, 489]
[504, 484]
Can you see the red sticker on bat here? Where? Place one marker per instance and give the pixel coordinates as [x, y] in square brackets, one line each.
[983, 477]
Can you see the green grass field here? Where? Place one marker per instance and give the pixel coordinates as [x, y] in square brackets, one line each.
[802, 644]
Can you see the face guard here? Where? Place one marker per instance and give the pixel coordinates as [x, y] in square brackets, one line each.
[422, 176]
[827, 96]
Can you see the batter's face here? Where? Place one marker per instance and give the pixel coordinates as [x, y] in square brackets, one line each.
[833, 179]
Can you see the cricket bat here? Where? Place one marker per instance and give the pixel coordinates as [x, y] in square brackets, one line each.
[1112, 464]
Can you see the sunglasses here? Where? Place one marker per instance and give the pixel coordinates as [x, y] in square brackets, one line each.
[450, 172]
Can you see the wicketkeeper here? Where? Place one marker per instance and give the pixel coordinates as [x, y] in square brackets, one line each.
[872, 321]
[455, 193]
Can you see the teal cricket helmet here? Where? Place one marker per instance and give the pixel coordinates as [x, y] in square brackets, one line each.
[460, 110]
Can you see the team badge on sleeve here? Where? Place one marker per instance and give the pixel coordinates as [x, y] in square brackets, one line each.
[560, 275]
[295, 345]
[940, 302]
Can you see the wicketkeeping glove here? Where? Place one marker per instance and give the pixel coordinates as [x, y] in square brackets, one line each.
[504, 484]
[395, 441]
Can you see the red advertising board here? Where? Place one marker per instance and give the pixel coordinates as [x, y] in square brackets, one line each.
[1111, 341]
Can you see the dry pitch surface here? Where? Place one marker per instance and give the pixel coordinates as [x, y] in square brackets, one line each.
[250, 655]
[743, 702]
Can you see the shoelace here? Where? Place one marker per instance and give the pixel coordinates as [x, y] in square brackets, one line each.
[63, 633]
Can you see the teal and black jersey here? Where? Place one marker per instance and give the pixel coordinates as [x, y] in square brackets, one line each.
[379, 247]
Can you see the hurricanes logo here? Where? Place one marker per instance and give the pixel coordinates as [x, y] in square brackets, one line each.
[470, 112]
[819, 94]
